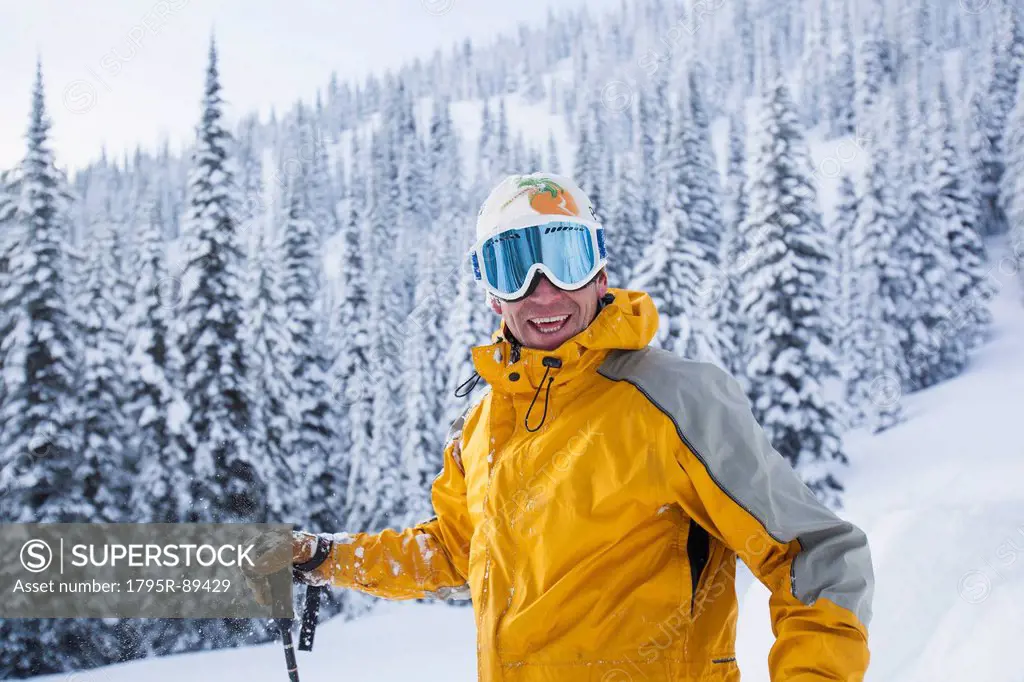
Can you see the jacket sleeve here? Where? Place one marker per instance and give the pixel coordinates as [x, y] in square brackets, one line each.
[426, 560]
[743, 492]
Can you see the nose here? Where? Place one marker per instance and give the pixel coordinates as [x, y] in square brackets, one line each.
[545, 291]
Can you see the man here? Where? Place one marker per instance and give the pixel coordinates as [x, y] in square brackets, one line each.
[595, 499]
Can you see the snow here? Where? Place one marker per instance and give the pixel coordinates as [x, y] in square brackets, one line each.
[435, 642]
[940, 497]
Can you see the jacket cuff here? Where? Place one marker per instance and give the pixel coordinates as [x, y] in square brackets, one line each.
[323, 549]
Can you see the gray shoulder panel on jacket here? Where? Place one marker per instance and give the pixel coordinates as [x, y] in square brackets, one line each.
[713, 419]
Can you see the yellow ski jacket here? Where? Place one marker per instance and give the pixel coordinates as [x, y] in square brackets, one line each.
[599, 543]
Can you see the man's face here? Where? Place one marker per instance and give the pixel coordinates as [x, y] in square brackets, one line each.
[550, 316]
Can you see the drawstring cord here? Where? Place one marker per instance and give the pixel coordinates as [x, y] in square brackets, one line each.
[548, 362]
[473, 380]
[459, 393]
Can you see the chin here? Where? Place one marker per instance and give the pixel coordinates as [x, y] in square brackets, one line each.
[551, 341]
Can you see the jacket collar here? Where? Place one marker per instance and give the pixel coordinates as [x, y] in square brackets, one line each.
[628, 322]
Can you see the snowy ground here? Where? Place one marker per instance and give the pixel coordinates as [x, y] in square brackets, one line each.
[940, 496]
[942, 500]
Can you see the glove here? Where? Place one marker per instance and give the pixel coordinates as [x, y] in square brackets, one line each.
[273, 552]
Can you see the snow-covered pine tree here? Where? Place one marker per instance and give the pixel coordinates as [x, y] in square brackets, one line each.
[153, 407]
[419, 440]
[529, 83]
[269, 378]
[553, 164]
[533, 159]
[842, 229]
[626, 231]
[872, 57]
[250, 176]
[672, 269]
[415, 209]
[9, 191]
[926, 298]
[733, 250]
[588, 162]
[436, 150]
[518, 160]
[844, 293]
[662, 120]
[734, 208]
[310, 438]
[471, 323]
[377, 501]
[742, 50]
[841, 76]
[784, 302]
[873, 386]
[814, 64]
[461, 308]
[870, 342]
[1012, 192]
[704, 225]
[451, 245]
[988, 146]
[646, 144]
[323, 196]
[502, 158]
[351, 371]
[38, 351]
[947, 167]
[914, 39]
[226, 484]
[484, 149]
[103, 469]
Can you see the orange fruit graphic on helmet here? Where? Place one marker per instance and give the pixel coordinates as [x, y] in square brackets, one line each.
[547, 197]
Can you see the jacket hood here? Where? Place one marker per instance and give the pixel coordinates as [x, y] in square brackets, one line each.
[629, 321]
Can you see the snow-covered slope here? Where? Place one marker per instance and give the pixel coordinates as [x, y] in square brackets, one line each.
[942, 500]
[941, 497]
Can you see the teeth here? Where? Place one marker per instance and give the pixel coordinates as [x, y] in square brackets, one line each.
[557, 322]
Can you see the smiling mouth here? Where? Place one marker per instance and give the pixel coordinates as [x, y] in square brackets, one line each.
[549, 325]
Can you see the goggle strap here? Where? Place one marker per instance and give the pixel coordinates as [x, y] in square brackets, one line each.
[476, 268]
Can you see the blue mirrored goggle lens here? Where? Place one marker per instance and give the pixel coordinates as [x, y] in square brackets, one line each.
[567, 249]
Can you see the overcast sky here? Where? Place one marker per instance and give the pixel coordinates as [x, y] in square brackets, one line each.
[121, 72]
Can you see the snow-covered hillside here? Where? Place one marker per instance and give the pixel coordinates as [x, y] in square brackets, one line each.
[940, 497]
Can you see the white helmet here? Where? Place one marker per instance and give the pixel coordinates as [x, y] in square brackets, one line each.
[520, 200]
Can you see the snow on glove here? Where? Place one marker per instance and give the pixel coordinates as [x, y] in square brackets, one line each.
[273, 552]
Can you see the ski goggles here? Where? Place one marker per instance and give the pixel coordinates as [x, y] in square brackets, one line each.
[569, 252]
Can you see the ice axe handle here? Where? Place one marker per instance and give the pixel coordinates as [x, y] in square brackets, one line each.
[310, 616]
[285, 626]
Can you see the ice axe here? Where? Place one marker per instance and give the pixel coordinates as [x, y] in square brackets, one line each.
[285, 626]
[310, 616]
